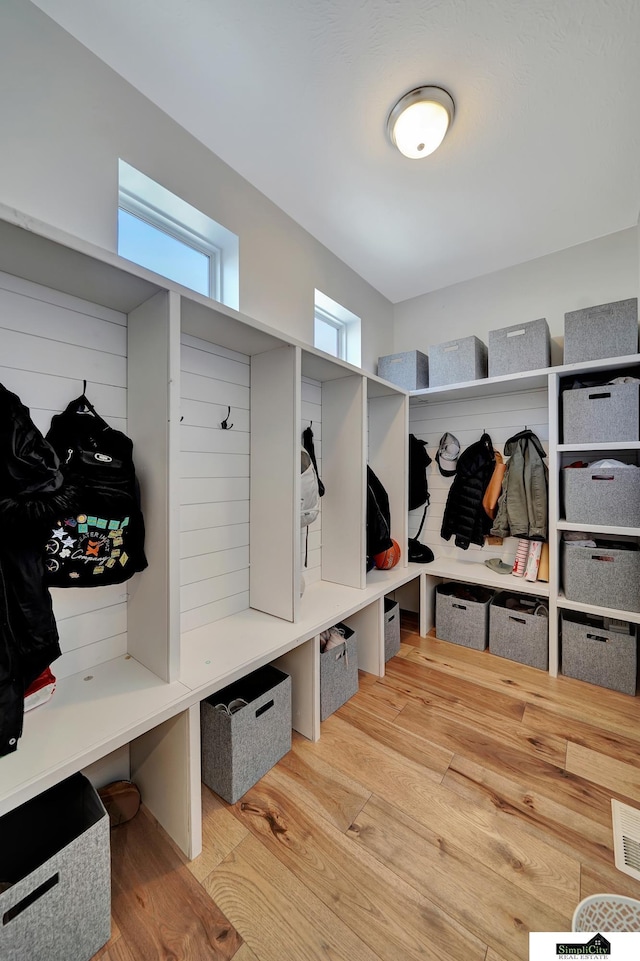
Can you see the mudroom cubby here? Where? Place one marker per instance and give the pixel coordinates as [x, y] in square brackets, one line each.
[593, 490]
[221, 595]
[501, 406]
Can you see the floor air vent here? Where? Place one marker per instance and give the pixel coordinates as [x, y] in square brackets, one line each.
[626, 838]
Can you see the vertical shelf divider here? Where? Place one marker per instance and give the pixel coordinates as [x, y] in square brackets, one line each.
[274, 511]
[388, 457]
[153, 415]
[343, 470]
[554, 516]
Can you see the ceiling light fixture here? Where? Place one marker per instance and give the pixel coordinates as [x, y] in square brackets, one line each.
[419, 121]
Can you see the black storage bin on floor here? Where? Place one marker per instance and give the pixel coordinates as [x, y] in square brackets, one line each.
[338, 673]
[239, 748]
[391, 628]
[55, 854]
[462, 614]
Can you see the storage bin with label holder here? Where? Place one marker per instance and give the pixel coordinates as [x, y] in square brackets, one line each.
[519, 347]
[242, 741]
[519, 628]
[594, 415]
[338, 673]
[599, 650]
[391, 628]
[409, 369]
[55, 857]
[607, 575]
[462, 614]
[457, 361]
[599, 495]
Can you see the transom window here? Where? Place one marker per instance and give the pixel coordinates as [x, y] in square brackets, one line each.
[163, 233]
[336, 329]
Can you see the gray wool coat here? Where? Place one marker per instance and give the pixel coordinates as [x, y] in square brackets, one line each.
[523, 504]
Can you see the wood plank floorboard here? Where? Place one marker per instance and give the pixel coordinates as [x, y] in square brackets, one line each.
[448, 809]
[160, 908]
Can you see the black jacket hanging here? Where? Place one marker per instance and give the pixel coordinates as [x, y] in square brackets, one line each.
[31, 493]
[464, 515]
[102, 540]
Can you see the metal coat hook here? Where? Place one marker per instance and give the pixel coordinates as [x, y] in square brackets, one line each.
[225, 425]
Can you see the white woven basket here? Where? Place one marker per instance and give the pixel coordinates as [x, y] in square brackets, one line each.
[607, 912]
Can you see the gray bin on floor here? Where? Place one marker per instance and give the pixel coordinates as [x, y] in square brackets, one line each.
[338, 673]
[604, 576]
[54, 850]
[593, 415]
[409, 369]
[598, 496]
[391, 628]
[238, 749]
[608, 330]
[519, 347]
[591, 652]
[457, 361]
[461, 619]
[520, 635]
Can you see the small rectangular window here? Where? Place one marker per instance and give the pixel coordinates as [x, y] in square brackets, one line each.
[162, 232]
[336, 329]
[157, 250]
[329, 334]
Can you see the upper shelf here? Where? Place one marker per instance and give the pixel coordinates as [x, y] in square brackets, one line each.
[46, 255]
[510, 383]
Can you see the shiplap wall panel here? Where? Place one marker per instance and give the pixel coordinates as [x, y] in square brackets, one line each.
[214, 472]
[501, 416]
[196, 517]
[49, 343]
[311, 415]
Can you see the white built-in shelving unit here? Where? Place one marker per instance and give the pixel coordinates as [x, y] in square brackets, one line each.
[221, 596]
[503, 406]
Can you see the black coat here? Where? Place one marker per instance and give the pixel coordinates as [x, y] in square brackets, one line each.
[464, 515]
[30, 495]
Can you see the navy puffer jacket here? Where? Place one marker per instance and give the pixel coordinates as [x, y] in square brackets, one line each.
[464, 515]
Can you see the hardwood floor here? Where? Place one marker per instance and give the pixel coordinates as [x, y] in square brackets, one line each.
[447, 810]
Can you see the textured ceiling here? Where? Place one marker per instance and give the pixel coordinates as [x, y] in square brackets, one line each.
[544, 152]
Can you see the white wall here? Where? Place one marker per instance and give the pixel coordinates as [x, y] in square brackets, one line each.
[597, 272]
[66, 118]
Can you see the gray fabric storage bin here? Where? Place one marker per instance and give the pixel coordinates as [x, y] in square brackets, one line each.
[238, 749]
[604, 576]
[463, 619]
[608, 330]
[520, 347]
[593, 415]
[592, 652]
[338, 673]
[409, 369]
[55, 851]
[391, 628]
[599, 496]
[457, 361]
[520, 635]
